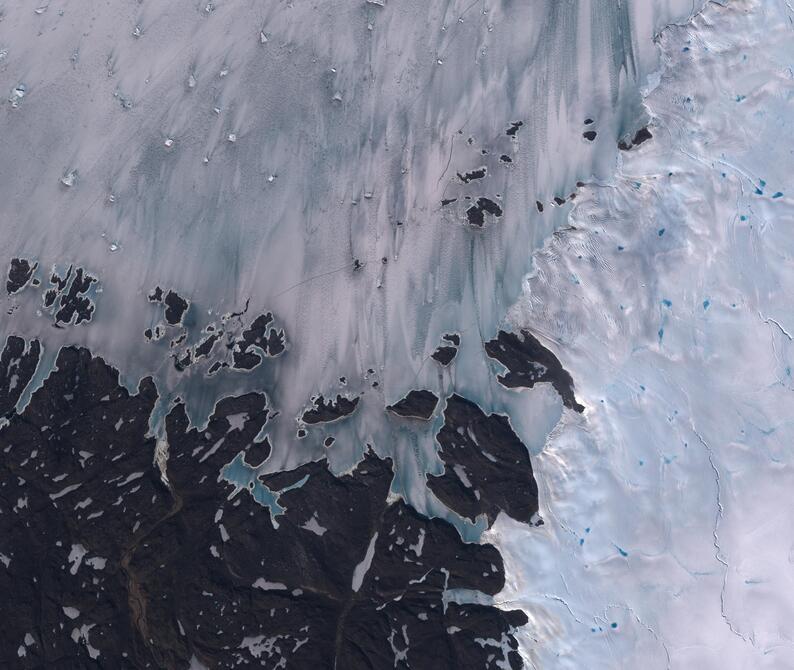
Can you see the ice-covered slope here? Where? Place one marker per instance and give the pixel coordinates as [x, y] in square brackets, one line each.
[669, 537]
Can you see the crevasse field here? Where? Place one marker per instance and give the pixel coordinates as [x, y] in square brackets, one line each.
[376, 176]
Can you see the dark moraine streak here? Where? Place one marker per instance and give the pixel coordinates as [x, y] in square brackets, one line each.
[20, 272]
[486, 466]
[104, 564]
[326, 411]
[417, 404]
[528, 363]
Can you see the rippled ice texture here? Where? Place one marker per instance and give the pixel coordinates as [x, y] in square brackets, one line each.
[670, 542]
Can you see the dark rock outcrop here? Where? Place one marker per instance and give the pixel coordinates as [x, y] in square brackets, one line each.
[642, 135]
[528, 363]
[486, 467]
[326, 411]
[18, 363]
[448, 349]
[417, 404]
[20, 272]
[106, 564]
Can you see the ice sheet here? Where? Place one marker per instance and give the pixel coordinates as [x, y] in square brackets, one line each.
[293, 158]
[669, 534]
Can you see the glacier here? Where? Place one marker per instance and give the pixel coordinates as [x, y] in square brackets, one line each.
[344, 148]
[341, 188]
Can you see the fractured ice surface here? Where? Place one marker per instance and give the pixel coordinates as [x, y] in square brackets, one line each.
[668, 538]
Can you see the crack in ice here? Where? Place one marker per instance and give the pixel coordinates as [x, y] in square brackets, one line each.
[769, 320]
[718, 553]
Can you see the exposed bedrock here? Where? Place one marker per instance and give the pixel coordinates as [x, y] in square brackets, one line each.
[528, 363]
[104, 563]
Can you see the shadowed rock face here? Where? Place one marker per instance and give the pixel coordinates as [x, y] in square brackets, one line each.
[104, 565]
[418, 404]
[528, 363]
[486, 466]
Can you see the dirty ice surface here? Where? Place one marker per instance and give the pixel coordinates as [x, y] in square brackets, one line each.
[670, 539]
